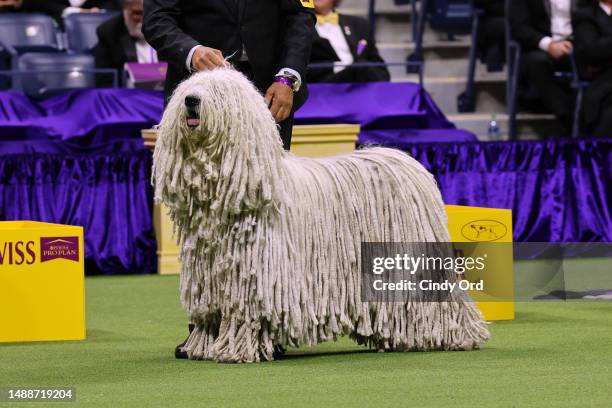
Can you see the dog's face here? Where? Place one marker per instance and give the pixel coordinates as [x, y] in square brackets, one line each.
[216, 124]
[218, 106]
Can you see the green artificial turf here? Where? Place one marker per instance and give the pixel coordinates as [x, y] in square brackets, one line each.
[555, 354]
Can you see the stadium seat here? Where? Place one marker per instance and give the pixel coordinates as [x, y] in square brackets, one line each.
[42, 74]
[24, 32]
[81, 29]
[450, 16]
[372, 14]
[27, 32]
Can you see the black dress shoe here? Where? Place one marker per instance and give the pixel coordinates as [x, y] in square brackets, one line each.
[279, 351]
[178, 351]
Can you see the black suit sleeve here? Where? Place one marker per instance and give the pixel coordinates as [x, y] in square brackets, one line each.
[523, 29]
[299, 24]
[161, 30]
[591, 47]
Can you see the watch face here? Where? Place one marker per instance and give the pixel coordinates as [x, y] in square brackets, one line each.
[296, 84]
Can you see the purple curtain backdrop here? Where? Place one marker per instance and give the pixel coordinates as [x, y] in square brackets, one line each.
[88, 116]
[559, 191]
[78, 159]
[402, 111]
[106, 189]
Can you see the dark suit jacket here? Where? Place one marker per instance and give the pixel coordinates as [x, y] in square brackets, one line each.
[593, 50]
[275, 33]
[54, 8]
[354, 29]
[530, 22]
[115, 47]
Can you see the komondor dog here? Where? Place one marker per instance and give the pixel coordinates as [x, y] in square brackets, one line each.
[271, 242]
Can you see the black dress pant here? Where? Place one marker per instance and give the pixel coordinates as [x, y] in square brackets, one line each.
[286, 131]
[539, 73]
[492, 41]
[603, 126]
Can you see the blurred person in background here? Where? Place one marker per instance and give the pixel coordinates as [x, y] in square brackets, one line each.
[593, 43]
[543, 28]
[10, 5]
[60, 9]
[492, 33]
[344, 40]
[120, 40]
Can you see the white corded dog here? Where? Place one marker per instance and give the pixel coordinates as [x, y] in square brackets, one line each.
[271, 242]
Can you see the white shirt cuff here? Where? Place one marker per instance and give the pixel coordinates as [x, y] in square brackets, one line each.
[70, 10]
[545, 43]
[292, 72]
[189, 57]
[339, 66]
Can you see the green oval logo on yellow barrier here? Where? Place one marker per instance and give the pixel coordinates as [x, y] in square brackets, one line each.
[484, 230]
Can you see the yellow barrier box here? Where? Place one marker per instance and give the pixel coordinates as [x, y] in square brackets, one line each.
[474, 225]
[42, 292]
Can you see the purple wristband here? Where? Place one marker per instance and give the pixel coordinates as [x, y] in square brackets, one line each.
[284, 80]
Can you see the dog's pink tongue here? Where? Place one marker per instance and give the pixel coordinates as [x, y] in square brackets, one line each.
[193, 122]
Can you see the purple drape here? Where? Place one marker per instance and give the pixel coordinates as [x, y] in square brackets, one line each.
[402, 111]
[377, 105]
[89, 116]
[559, 191]
[78, 159]
[105, 189]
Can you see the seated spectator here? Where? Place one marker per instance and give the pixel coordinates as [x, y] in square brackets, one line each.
[120, 40]
[343, 40]
[59, 9]
[10, 5]
[492, 33]
[593, 42]
[543, 28]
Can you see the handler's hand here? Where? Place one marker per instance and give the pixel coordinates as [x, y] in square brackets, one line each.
[205, 58]
[559, 49]
[279, 98]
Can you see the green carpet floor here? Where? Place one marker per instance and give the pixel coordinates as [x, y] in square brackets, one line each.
[554, 355]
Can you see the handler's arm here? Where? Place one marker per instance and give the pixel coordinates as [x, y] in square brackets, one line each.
[299, 33]
[161, 29]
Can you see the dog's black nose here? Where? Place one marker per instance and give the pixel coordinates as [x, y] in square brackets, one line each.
[192, 101]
